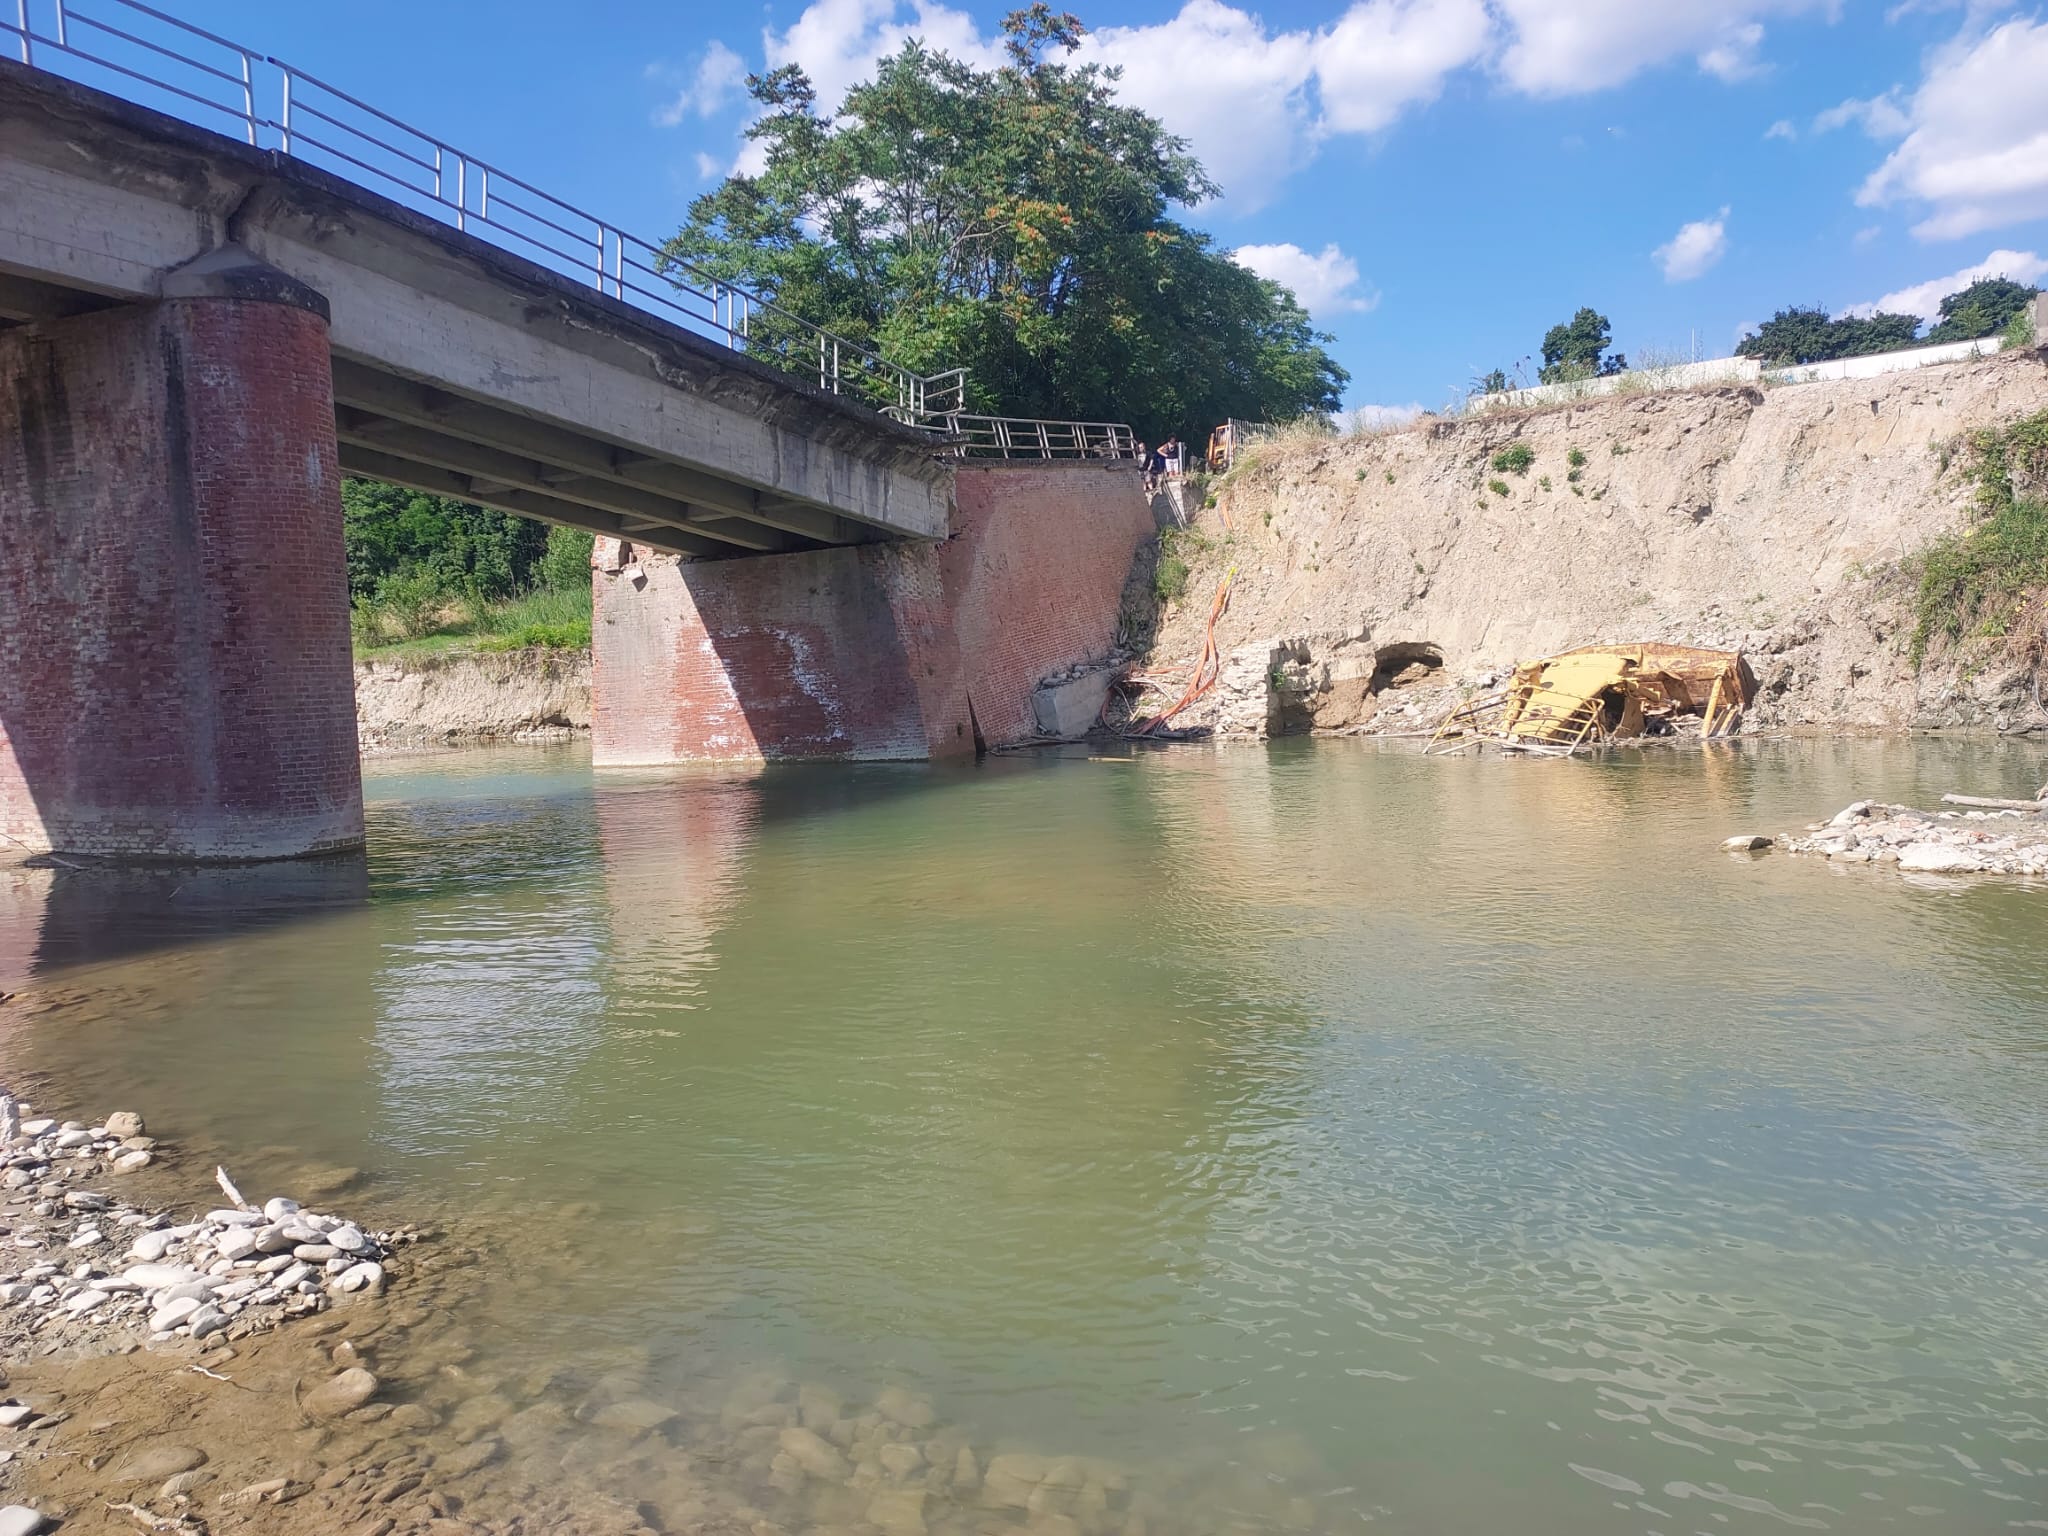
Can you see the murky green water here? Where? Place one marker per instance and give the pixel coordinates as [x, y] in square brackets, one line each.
[1326, 1135]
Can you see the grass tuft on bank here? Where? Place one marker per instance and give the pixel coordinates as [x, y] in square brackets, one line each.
[1990, 582]
[547, 618]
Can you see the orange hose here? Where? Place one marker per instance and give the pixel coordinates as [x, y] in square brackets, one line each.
[1208, 667]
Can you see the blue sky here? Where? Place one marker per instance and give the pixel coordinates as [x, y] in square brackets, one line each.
[1441, 180]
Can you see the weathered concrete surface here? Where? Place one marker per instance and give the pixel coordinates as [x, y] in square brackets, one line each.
[879, 652]
[1072, 707]
[462, 368]
[174, 650]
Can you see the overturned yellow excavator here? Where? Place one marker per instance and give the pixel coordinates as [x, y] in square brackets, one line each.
[1598, 694]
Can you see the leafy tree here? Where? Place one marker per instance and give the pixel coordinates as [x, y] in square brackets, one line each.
[1799, 335]
[1574, 349]
[389, 532]
[1013, 221]
[1985, 308]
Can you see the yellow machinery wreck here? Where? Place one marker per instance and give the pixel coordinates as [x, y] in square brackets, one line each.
[1600, 694]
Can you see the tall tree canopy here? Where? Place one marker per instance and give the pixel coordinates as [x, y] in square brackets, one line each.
[1574, 350]
[389, 531]
[1012, 221]
[1809, 335]
[1985, 308]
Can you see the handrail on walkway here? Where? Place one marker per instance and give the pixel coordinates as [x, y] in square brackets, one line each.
[156, 60]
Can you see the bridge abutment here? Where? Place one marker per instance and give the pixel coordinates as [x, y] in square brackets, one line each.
[875, 652]
[175, 678]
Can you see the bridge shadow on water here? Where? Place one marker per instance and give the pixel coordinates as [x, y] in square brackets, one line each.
[440, 825]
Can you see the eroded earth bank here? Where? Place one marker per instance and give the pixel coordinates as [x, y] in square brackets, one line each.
[1378, 578]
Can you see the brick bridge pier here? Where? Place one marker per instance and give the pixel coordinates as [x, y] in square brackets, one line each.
[174, 640]
[199, 337]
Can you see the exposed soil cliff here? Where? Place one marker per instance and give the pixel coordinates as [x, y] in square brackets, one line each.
[473, 696]
[1378, 576]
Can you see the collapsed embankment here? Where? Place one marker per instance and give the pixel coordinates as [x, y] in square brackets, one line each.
[471, 696]
[1378, 576]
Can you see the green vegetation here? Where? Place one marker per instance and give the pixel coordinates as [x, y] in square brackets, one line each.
[1576, 350]
[1987, 583]
[1808, 335]
[1574, 458]
[430, 573]
[1543, 482]
[1991, 306]
[1014, 221]
[1498, 487]
[1515, 459]
[1986, 308]
[2020, 333]
[1170, 570]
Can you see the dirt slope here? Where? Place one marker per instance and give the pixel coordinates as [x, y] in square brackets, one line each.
[1769, 520]
[471, 696]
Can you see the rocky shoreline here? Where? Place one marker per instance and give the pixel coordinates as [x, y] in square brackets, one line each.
[2006, 841]
[94, 1276]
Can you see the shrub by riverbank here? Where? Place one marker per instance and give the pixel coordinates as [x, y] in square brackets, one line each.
[1987, 583]
[429, 574]
[547, 618]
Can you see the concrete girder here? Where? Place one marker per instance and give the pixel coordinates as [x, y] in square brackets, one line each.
[571, 457]
[104, 198]
[358, 460]
[492, 472]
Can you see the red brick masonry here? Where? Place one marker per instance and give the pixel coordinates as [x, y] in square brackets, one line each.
[874, 652]
[174, 650]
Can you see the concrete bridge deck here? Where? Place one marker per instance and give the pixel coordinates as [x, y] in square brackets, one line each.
[458, 367]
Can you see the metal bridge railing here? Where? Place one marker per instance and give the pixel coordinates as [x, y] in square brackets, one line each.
[156, 60]
[1015, 437]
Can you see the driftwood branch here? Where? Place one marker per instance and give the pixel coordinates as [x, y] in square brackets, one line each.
[1993, 805]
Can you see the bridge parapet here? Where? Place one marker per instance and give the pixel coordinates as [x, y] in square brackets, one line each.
[142, 54]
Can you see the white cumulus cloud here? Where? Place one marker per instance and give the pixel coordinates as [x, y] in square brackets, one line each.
[1327, 282]
[1975, 152]
[1377, 418]
[1924, 299]
[1562, 47]
[1256, 102]
[1384, 56]
[1879, 116]
[1734, 56]
[838, 41]
[719, 77]
[1237, 93]
[1781, 129]
[1694, 249]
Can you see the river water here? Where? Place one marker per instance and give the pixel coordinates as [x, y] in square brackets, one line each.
[1313, 1137]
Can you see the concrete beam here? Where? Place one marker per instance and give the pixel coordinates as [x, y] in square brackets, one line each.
[490, 472]
[571, 457]
[359, 460]
[104, 197]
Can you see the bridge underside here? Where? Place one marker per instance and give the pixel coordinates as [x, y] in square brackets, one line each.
[458, 367]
